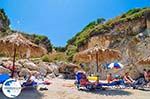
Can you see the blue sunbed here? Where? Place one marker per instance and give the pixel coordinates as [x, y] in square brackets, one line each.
[3, 78]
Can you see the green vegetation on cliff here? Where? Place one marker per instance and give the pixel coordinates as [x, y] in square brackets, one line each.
[93, 28]
[40, 40]
[4, 23]
[60, 49]
[100, 27]
[79, 38]
[37, 39]
[71, 50]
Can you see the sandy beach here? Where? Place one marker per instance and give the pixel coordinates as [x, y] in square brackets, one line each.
[65, 89]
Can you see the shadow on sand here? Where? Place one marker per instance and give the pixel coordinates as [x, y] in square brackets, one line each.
[26, 94]
[109, 92]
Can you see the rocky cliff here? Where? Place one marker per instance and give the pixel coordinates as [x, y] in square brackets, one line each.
[128, 33]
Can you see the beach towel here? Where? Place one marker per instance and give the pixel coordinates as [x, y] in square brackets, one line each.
[3, 78]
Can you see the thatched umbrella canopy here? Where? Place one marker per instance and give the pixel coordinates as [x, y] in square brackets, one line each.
[89, 55]
[17, 44]
[21, 44]
[144, 61]
[97, 54]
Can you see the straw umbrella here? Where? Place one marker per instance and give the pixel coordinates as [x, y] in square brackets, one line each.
[144, 61]
[97, 54]
[18, 44]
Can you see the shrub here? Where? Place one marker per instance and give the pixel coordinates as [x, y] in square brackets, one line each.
[60, 49]
[59, 56]
[46, 58]
[71, 50]
[2, 55]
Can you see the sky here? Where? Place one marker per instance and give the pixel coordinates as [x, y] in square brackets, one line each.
[60, 20]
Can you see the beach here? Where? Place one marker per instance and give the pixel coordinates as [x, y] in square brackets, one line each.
[65, 89]
[51, 43]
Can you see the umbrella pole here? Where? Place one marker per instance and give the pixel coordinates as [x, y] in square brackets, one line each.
[97, 62]
[14, 58]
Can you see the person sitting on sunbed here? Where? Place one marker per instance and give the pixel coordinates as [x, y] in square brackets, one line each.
[109, 78]
[116, 78]
[118, 81]
[84, 80]
[141, 81]
[148, 78]
[127, 79]
[145, 75]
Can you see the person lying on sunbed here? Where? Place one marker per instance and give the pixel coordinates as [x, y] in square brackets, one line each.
[31, 80]
[127, 79]
[116, 80]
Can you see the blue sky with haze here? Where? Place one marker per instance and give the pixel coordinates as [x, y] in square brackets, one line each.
[60, 20]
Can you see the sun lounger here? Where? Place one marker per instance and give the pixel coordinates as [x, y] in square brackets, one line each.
[94, 85]
[80, 82]
[34, 84]
[3, 78]
[141, 83]
[29, 84]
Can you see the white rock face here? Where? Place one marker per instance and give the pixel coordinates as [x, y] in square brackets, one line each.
[54, 68]
[4, 70]
[45, 66]
[30, 65]
[24, 71]
[7, 63]
[42, 71]
[18, 66]
[61, 76]
[52, 75]
[48, 68]
[26, 67]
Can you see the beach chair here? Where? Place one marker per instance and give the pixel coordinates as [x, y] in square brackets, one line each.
[141, 84]
[94, 85]
[83, 82]
[3, 78]
[114, 84]
[34, 83]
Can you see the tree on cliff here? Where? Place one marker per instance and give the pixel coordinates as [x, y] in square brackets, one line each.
[100, 20]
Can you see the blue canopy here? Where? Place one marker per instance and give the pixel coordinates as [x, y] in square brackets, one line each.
[115, 65]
